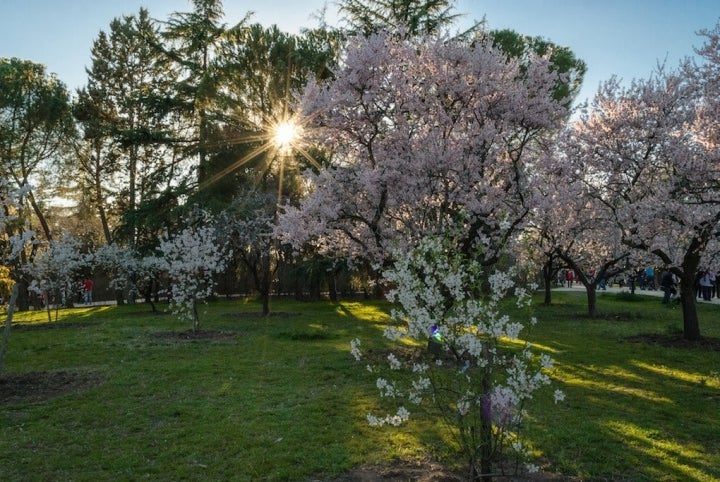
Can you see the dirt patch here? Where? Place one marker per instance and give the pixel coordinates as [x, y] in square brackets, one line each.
[619, 317]
[676, 341]
[41, 386]
[400, 471]
[195, 335]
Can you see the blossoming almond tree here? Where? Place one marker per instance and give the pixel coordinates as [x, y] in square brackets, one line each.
[249, 224]
[192, 258]
[11, 244]
[55, 270]
[476, 382]
[118, 262]
[650, 154]
[569, 223]
[422, 131]
[128, 270]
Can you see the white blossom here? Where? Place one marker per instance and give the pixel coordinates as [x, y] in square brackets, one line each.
[192, 257]
[355, 349]
[394, 362]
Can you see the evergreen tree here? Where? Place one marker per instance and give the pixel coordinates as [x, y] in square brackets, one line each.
[418, 17]
[128, 118]
[35, 129]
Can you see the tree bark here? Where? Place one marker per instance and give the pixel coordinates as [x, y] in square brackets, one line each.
[23, 300]
[8, 324]
[548, 279]
[40, 216]
[691, 324]
[591, 290]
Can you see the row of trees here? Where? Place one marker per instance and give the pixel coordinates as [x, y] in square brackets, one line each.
[428, 133]
[181, 113]
[420, 127]
[451, 159]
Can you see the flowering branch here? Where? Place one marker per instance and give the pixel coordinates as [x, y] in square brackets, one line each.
[471, 377]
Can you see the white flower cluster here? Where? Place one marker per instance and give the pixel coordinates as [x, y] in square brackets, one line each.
[438, 301]
[355, 349]
[192, 258]
[55, 269]
[400, 417]
[387, 389]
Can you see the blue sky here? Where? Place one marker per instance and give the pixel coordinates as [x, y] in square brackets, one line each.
[626, 38]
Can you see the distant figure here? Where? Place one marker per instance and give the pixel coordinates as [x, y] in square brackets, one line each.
[650, 277]
[706, 284]
[667, 283]
[88, 289]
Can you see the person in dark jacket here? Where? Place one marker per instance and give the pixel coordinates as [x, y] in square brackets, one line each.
[667, 283]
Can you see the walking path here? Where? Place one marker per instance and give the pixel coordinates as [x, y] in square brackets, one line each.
[625, 289]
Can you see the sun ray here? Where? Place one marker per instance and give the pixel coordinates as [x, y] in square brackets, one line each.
[237, 164]
[308, 157]
[283, 140]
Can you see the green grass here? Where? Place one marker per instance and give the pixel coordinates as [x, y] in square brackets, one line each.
[281, 398]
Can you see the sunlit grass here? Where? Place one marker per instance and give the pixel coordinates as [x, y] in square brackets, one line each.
[611, 379]
[672, 456]
[711, 381]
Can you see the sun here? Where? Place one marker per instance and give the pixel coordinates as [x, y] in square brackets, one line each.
[285, 134]
[280, 141]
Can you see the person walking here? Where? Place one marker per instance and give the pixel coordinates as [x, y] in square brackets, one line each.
[667, 283]
[650, 277]
[88, 291]
[706, 284]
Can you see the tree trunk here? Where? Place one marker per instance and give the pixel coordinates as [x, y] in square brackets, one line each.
[119, 299]
[8, 324]
[40, 216]
[23, 300]
[691, 325]
[689, 268]
[591, 291]
[196, 317]
[100, 199]
[265, 297]
[332, 286]
[265, 284]
[548, 279]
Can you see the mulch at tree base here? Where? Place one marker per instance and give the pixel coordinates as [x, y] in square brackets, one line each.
[195, 335]
[430, 471]
[676, 341]
[41, 386]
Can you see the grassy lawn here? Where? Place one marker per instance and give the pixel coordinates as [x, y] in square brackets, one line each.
[280, 398]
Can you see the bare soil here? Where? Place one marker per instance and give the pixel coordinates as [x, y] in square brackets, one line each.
[430, 471]
[36, 387]
[677, 341]
[195, 335]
